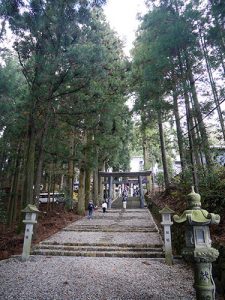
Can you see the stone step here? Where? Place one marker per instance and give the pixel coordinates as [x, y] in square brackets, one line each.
[139, 254]
[97, 248]
[111, 229]
[100, 244]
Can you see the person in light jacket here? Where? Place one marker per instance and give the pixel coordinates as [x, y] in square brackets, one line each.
[104, 207]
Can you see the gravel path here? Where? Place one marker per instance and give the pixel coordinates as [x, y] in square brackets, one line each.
[98, 278]
[84, 278]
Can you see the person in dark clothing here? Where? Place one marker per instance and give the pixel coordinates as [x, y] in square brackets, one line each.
[90, 209]
[124, 195]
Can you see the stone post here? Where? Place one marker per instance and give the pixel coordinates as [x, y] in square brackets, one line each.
[166, 213]
[106, 196]
[131, 189]
[141, 192]
[31, 212]
[110, 192]
[198, 248]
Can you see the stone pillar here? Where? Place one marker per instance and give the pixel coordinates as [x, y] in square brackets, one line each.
[106, 196]
[100, 189]
[166, 213]
[30, 219]
[141, 192]
[120, 191]
[131, 189]
[110, 192]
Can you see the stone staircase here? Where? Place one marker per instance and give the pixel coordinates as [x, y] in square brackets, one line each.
[103, 250]
[132, 203]
[117, 233]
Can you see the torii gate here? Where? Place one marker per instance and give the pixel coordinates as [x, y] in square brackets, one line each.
[139, 175]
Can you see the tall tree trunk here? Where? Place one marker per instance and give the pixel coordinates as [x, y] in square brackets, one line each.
[204, 136]
[179, 132]
[213, 85]
[100, 183]
[71, 166]
[2, 164]
[222, 60]
[221, 41]
[17, 217]
[81, 192]
[95, 187]
[196, 137]
[146, 158]
[199, 139]
[87, 187]
[50, 172]
[29, 165]
[12, 203]
[145, 150]
[163, 150]
[191, 134]
[40, 161]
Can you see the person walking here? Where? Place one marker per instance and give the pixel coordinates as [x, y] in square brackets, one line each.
[91, 208]
[104, 206]
[124, 198]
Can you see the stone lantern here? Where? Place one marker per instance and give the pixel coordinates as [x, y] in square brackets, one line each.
[198, 244]
[166, 213]
[31, 212]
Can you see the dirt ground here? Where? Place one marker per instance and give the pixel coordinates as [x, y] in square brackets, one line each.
[49, 222]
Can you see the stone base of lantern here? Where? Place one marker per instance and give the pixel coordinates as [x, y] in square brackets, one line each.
[204, 284]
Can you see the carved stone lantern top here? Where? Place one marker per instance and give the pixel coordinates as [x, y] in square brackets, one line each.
[166, 210]
[30, 208]
[31, 212]
[194, 200]
[166, 213]
[195, 215]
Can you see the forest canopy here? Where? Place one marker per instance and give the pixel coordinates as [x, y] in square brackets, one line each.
[64, 87]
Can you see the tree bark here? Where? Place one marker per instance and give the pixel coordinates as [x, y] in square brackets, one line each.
[179, 133]
[71, 166]
[29, 165]
[13, 198]
[81, 192]
[100, 184]
[201, 125]
[191, 134]
[163, 150]
[87, 187]
[40, 161]
[213, 85]
[95, 187]
[146, 158]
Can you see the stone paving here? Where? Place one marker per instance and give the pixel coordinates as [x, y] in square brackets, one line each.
[114, 233]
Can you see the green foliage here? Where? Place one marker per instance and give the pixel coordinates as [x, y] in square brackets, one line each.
[160, 180]
[211, 188]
